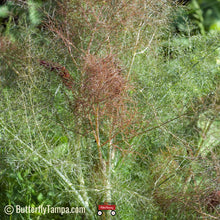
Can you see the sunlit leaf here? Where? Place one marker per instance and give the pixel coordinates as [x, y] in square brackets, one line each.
[4, 12]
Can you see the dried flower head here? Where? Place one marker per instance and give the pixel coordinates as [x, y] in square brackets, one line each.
[103, 93]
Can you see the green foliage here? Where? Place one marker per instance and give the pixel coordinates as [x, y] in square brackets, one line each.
[162, 169]
[198, 16]
[4, 11]
[206, 14]
[34, 15]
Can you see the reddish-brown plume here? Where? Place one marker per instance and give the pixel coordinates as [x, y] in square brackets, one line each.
[68, 81]
[102, 84]
[213, 200]
[103, 94]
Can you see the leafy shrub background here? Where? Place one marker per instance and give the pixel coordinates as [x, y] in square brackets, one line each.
[164, 170]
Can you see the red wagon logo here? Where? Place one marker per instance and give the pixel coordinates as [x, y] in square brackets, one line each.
[107, 206]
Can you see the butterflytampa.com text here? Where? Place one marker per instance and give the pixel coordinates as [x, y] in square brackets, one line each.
[49, 209]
